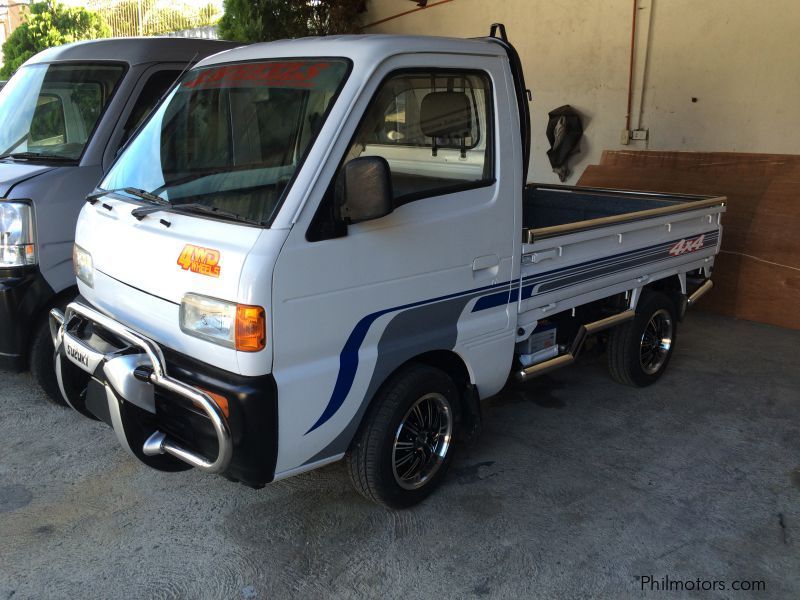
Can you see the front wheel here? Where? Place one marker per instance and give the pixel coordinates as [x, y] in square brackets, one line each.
[403, 449]
[41, 362]
[640, 350]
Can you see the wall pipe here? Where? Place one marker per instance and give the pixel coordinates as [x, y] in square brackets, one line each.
[630, 69]
[646, 67]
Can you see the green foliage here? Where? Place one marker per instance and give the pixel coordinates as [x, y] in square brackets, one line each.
[49, 24]
[267, 20]
[123, 17]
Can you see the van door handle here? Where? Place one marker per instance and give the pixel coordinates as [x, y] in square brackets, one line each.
[485, 262]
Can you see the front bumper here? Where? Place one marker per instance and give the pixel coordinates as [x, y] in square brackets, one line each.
[23, 293]
[161, 404]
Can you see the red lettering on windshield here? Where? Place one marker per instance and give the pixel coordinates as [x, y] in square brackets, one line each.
[294, 74]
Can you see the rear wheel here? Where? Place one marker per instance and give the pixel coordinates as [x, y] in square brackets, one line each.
[640, 350]
[404, 447]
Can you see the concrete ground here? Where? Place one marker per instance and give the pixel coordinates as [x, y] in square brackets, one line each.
[577, 488]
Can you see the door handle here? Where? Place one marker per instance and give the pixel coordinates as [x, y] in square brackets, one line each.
[485, 262]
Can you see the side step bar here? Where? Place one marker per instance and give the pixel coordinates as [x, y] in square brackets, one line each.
[577, 344]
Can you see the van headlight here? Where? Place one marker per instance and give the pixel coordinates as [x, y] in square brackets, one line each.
[238, 326]
[83, 265]
[17, 245]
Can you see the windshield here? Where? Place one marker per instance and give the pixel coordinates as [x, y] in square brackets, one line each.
[49, 111]
[231, 137]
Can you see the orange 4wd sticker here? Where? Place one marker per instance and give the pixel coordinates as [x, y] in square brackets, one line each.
[684, 246]
[203, 261]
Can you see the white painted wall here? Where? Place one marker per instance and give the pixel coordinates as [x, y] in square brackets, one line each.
[739, 58]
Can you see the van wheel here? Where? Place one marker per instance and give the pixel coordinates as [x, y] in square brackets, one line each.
[41, 362]
[639, 350]
[402, 451]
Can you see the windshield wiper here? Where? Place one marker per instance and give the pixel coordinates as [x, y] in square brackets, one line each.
[38, 156]
[141, 212]
[131, 191]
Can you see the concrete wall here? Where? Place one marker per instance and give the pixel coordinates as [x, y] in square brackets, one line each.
[738, 59]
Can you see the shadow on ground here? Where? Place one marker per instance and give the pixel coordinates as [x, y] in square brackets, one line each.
[578, 487]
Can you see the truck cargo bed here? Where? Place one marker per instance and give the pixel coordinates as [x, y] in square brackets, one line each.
[582, 244]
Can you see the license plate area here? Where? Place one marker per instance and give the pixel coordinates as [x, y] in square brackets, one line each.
[81, 355]
[97, 402]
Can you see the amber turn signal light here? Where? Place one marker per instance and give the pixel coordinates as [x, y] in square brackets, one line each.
[251, 328]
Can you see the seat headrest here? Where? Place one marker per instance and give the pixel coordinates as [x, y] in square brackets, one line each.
[444, 114]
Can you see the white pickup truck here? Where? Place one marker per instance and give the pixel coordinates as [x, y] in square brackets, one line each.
[325, 248]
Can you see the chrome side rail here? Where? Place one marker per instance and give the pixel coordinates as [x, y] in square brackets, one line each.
[158, 442]
[700, 292]
[584, 331]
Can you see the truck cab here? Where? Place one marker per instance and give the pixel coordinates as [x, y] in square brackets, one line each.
[343, 265]
[64, 115]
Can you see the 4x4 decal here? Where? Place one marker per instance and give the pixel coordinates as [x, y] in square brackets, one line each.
[684, 246]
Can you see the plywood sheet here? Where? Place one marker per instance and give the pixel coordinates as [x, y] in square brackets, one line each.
[762, 165]
[757, 275]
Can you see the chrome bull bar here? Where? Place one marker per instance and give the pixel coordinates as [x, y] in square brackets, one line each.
[158, 442]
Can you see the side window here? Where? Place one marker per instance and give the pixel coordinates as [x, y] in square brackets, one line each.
[434, 130]
[48, 126]
[152, 91]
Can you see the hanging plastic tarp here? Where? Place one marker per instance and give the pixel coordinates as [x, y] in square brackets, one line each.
[564, 132]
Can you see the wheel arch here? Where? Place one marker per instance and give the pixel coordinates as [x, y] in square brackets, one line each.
[57, 300]
[451, 363]
[673, 288]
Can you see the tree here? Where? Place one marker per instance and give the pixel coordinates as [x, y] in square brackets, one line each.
[157, 17]
[267, 20]
[49, 24]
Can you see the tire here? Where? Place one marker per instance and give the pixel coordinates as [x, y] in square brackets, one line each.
[41, 362]
[388, 463]
[634, 356]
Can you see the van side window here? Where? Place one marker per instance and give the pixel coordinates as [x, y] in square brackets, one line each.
[152, 91]
[433, 128]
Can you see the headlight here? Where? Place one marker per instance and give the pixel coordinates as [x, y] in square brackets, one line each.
[16, 235]
[228, 324]
[83, 265]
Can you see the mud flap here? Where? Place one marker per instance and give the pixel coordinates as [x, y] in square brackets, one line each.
[472, 416]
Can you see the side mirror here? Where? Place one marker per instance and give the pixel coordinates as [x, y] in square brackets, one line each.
[364, 190]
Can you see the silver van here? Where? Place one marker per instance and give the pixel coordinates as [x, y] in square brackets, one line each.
[64, 116]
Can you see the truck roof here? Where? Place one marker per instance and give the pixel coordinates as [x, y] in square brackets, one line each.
[134, 51]
[371, 47]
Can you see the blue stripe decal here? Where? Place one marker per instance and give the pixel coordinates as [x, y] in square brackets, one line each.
[348, 359]
[665, 245]
[497, 299]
